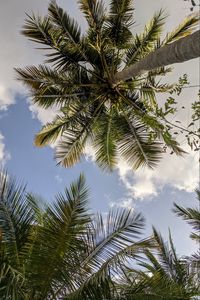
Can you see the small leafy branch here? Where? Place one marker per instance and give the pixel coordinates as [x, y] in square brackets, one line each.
[173, 129]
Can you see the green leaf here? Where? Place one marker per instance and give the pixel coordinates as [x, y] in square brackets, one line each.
[145, 42]
[135, 146]
[105, 141]
[64, 23]
[94, 13]
[119, 22]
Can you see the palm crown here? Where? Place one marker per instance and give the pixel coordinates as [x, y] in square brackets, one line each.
[118, 119]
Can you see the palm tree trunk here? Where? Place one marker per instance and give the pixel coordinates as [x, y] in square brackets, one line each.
[182, 50]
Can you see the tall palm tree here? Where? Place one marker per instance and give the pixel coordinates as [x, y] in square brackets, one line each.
[60, 250]
[96, 102]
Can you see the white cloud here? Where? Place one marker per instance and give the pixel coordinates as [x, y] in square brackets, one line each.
[16, 51]
[177, 172]
[58, 178]
[6, 97]
[89, 152]
[43, 115]
[126, 202]
[4, 155]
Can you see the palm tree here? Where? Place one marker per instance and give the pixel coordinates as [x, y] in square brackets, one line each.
[61, 250]
[163, 276]
[97, 103]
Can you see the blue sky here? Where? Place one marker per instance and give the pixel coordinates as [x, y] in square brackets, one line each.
[151, 192]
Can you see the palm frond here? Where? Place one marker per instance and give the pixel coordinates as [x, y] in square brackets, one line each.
[119, 22]
[162, 71]
[51, 132]
[145, 43]
[192, 216]
[148, 95]
[64, 23]
[51, 88]
[70, 148]
[122, 228]
[17, 214]
[184, 29]
[164, 254]
[69, 30]
[38, 29]
[58, 245]
[94, 13]
[67, 118]
[135, 146]
[105, 141]
[62, 52]
[165, 276]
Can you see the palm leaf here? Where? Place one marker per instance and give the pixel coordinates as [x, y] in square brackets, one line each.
[184, 29]
[162, 71]
[74, 139]
[38, 29]
[191, 215]
[105, 141]
[71, 146]
[135, 146]
[58, 245]
[145, 43]
[42, 30]
[68, 118]
[51, 88]
[51, 132]
[165, 276]
[119, 21]
[122, 228]
[94, 13]
[64, 23]
[17, 214]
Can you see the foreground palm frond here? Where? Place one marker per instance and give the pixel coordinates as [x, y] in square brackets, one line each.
[60, 249]
[18, 211]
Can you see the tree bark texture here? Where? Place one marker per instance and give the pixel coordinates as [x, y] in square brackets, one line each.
[182, 50]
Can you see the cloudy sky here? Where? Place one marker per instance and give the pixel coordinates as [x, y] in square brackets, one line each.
[151, 192]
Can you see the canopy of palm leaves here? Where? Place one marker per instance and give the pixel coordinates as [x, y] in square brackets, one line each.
[61, 251]
[119, 120]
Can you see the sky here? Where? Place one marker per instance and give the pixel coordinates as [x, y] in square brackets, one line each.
[147, 191]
